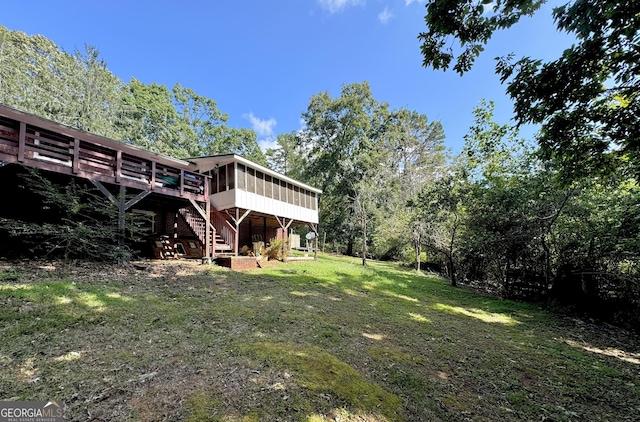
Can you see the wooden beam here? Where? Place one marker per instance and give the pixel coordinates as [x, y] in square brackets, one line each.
[137, 199]
[237, 221]
[223, 218]
[105, 191]
[285, 234]
[121, 202]
[246, 213]
[198, 208]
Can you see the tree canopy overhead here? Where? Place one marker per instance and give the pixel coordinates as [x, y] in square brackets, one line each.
[586, 101]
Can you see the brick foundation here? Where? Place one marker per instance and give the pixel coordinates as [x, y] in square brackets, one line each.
[238, 263]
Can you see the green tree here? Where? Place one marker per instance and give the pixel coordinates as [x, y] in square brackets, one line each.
[155, 115]
[443, 213]
[586, 101]
[340, 145]
[180, 123]
[285, 157]
[414, 159]
[243, 142]
[74, 89]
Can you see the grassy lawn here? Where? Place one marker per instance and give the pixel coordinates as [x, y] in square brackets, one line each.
[326, 340]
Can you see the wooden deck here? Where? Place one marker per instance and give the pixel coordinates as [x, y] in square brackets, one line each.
[43, 144]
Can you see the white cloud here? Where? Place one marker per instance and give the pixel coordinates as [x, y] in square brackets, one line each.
[267, 143]
[408, 2]
[335, 6]
[261, 126]
[385, 15]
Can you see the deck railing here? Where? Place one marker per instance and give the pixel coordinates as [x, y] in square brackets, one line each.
[50, 150]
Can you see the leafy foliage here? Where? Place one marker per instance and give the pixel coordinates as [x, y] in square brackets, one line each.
[502, 219]
[586, 100]
[370, 162]
[274, 251]
[74, 220]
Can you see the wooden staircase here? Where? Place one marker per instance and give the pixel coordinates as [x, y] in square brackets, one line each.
[198, 226]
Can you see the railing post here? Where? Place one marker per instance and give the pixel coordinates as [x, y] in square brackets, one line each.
[153, 175]
[22, 139]
[76, 155]
[118, 166]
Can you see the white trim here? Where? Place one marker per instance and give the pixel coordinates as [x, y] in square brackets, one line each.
[221, 160]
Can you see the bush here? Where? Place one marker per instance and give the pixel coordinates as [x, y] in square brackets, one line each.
[274, 251]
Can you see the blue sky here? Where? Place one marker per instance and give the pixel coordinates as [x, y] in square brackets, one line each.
[261, 61]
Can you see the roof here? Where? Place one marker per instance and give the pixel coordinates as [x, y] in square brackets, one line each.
[223, 159]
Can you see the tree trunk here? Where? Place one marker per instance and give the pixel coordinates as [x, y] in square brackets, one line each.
[364, 241]
[452, 271]
[418, 250]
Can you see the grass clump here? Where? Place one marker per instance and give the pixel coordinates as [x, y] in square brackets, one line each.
[323, 373]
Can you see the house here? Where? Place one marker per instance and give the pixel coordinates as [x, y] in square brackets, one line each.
[223, 202]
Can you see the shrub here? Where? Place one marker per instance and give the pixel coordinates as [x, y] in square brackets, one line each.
[274, 251]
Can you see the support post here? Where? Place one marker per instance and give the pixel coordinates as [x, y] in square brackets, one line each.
[123, 205]
[209, 249]
[206, 216]
[237, 220]
[314, 227]
[264, 230]
[285, 234]
[122, 197]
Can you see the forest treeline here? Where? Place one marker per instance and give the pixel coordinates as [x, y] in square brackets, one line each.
[500, 214]
[77, 89]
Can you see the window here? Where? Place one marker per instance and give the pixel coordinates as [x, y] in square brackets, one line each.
[313, 201]
[290, 193]
[251, 180]
[242, 184]
[222, 178]
[296, 196]
[260, 183]
[276, 189]
[268, 187]
[283, 191]
[214, 182]
[230, 176]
